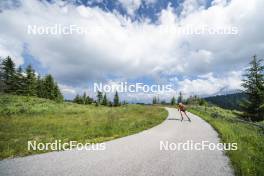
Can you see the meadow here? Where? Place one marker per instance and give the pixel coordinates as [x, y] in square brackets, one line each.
[248, 160]
[24, 119]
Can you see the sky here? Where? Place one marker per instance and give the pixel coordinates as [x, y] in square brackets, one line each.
[137, 41]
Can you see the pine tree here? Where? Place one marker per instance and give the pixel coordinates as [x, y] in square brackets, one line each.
[154, 100]
[30, 82]
[49, 87]
[110, 103]
[116, 99]
[254, 89]
[99, 97]
[40, 87]
[8, 74]
[173, 101]
[83, 99]
[57, 93]
[89, 100]
[104, 101]
[2, 84]
[180, 98]
[77, 99]
[20, 82]
[13, 81]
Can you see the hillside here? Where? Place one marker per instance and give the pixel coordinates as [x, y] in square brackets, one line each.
[29, 118]
[230, 101]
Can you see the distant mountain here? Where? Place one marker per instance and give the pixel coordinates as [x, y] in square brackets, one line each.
[229, 101]
[226, 91]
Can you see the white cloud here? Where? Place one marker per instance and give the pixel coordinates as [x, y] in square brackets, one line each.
[209, 84]
[12, 48]
[118, 47]
[67, 89]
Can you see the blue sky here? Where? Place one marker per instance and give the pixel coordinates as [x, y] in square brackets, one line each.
[136, 41]
[146, 9]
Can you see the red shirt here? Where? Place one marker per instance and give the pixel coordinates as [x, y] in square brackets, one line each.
[182, 107]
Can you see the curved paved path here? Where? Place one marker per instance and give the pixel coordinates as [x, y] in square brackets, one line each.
[137, 154]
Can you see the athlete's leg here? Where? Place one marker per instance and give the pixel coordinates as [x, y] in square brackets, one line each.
[187, 116]
[181, 115]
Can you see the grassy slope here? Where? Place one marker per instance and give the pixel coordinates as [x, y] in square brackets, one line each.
[28, 118]
[249, 158]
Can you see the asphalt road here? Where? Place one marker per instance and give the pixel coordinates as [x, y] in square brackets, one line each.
[138, 155]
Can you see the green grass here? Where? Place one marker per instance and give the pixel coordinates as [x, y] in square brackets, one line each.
[248, 160]
[27, 118]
